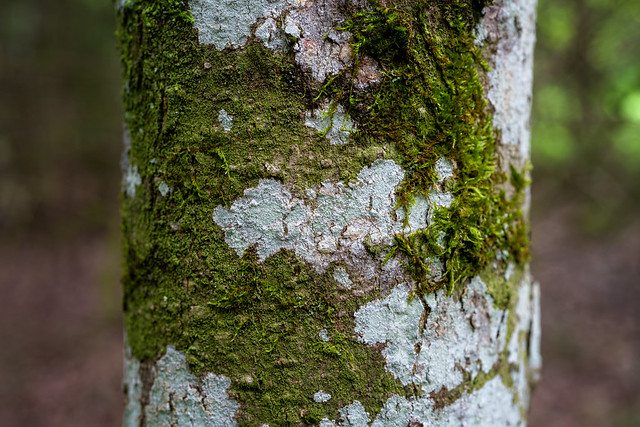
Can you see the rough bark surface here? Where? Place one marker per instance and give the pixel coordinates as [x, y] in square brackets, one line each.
[324, 208]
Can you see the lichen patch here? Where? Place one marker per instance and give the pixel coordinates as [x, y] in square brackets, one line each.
[131, 180]
[177, 397]
[227, 23]
[459, 335]
[492, 405]
[332, 221]
[333, 122]
[321, 397]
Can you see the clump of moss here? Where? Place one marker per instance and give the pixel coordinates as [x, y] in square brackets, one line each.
[430, 104]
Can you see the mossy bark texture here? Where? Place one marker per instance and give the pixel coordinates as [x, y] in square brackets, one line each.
[324, 212]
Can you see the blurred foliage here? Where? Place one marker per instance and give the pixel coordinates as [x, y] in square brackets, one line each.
[60, 113]
[586, 108]
[60, 116]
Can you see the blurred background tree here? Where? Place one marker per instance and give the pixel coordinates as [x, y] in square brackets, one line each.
[60, 144]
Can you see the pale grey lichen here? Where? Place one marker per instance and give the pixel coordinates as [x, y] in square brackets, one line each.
[535, 355]
[510, 26]
[227, 23]
[469, 333]
[130, 176]
[466, 333]
[438, 198]
[324, 335]
[132, 384]
[444, 168]
[121, 4]
[131, 180]
[271, 35]
[354, 415]
[164, 188]
[326, 422]
[319, 48]
[456, 334]
[492, 405]
[422, 204]
[225, 120]
[333, 122]
[310, 26]
[177, 397]
[332, 223]
[524, 345]
[435, 266]
[321, 397]
[323, 50]
[395, 321]
[342, 277]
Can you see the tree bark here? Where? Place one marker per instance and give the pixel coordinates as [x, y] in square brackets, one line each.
[325, 212]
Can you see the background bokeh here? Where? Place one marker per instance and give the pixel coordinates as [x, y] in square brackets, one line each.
[60, 143]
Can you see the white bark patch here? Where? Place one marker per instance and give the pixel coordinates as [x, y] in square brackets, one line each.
[321, 397]
[466, 333]
[225, 120]
[227, 23]
[178, 397]
[510, 25]
[492, 405]
[336, 125]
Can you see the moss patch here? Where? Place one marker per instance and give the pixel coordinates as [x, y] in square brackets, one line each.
[430, 104]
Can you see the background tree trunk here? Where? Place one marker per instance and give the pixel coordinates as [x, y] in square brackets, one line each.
[325, 212]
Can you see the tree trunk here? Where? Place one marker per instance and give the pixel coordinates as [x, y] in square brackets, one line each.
[324, 212]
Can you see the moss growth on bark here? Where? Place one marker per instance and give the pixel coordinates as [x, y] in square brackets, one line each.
[430, 104]
[258, 322]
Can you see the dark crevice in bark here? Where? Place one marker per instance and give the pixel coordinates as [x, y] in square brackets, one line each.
[147, 377]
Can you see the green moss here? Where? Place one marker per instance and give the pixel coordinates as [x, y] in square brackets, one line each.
[431, 105]
[258, 322]
[502, 291]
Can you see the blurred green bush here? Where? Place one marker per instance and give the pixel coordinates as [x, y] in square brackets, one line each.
[586, 106]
